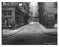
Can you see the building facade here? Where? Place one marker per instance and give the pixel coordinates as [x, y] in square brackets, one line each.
[14, 14]
[48, 13]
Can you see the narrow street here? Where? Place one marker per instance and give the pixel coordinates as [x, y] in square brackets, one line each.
[29, 23]
[30, 34]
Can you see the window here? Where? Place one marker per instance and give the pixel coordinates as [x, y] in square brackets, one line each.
[6, 13]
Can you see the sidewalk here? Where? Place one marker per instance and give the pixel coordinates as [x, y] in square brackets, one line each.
[8, 32]
[49, 31]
